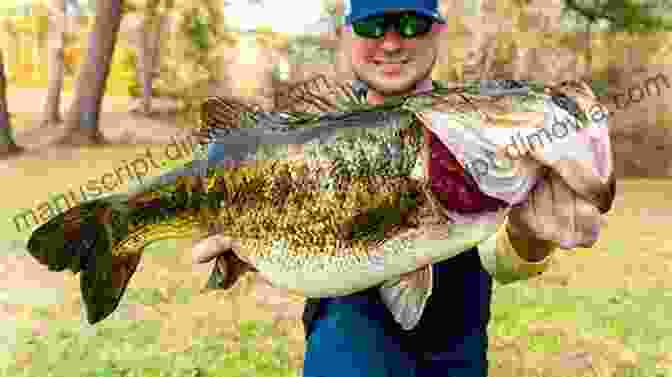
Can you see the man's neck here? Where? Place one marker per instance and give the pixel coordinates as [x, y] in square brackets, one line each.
[376, 98]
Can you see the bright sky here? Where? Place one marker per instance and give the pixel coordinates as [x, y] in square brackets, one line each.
[285, 16]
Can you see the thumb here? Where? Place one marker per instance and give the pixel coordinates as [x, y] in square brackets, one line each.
[211, 247]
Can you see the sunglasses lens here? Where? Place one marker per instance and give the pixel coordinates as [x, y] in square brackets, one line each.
[412, 25]
[409, 25]
[370, 28]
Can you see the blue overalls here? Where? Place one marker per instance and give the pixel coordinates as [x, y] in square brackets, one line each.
[356, 336]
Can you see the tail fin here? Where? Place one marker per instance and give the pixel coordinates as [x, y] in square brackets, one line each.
[81, 240]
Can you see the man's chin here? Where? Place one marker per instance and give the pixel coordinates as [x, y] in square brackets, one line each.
[392, 87]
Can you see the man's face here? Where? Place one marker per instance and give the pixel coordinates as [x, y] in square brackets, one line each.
[392, 65]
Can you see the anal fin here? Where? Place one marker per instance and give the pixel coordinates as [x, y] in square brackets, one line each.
[406, 298]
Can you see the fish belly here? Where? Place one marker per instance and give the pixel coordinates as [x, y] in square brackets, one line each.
[324, 275]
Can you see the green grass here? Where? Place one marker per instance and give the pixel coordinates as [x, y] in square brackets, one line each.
[130, 349]
[11, 241]
[637, 318]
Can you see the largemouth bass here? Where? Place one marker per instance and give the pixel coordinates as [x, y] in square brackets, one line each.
[352, 210]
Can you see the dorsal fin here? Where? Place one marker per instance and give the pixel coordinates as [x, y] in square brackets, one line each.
[316, 94]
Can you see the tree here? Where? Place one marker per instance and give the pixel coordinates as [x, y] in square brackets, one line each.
[149, 41]
[40, 30]
[55, 62]
[12, 34]
[81, 121]
[7, 145]
[333, 10]
[629, 16]
[196, 59]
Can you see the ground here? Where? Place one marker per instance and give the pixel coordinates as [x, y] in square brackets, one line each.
[597, 312]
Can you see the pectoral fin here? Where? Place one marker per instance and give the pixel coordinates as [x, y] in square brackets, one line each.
[227, 269]
[406, 298]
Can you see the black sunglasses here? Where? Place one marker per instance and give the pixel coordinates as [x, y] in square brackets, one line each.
[408, 25]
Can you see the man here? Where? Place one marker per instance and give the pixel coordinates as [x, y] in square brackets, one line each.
[393, 46]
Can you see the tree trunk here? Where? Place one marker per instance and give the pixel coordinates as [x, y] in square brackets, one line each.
[56, 65]
[7, 145]
[589, 51]
[82, 117]
[145, 65]
[161, 28]
[13, 45]
[148, 52]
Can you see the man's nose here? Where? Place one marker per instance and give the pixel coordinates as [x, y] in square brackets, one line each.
[391, 40]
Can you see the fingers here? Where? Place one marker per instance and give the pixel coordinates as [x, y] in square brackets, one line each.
[562, 210]
[580, 174]
[581, 178]
[211, 247]
[532, 216]
[554, 212]
[588, 223]
[577, 218]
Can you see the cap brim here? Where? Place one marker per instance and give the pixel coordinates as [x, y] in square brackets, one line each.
[434, 15]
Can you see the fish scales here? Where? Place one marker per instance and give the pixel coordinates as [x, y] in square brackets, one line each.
[269, 198]
[308, 216]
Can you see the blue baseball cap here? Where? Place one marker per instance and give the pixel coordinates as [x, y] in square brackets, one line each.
[357, 10]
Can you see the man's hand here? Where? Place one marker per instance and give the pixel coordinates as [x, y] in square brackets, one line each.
[553, 215]
[211, 247]
[229, 267]
[566, 207]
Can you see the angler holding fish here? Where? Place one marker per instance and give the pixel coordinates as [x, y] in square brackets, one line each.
[363, 334]
[362, 198]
